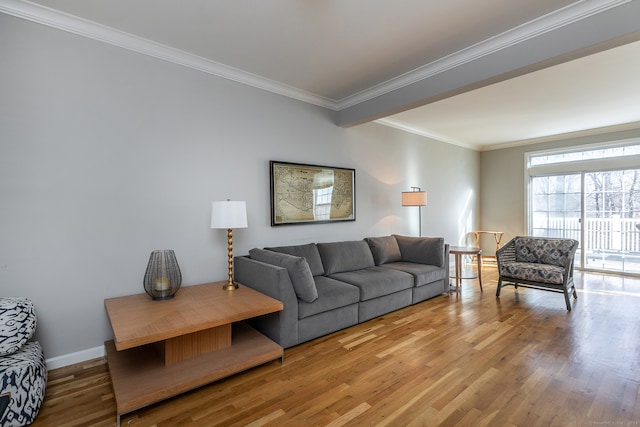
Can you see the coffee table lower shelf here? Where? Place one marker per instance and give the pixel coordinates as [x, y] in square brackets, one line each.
[140, 377]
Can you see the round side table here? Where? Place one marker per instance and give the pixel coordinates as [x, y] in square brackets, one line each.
[458, 251]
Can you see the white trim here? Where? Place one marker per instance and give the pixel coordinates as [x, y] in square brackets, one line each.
[73, 24]
[418, 131]
[562, 136]
[73, 358]
[582, 147]
[527, 195]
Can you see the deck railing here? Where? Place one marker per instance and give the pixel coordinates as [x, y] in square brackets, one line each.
[607, 234]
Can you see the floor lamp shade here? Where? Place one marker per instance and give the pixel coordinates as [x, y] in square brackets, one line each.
[229, 214]
[415, 198]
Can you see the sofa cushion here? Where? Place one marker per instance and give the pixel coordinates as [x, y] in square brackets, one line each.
[308, 252]
[375, 282]
[297, 267]
[345, 256]
[422, 273]
[384, 249]
[422, 250]
[332, 294]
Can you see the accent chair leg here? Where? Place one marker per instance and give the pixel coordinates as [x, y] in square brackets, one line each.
[498, 288]
[566, 299]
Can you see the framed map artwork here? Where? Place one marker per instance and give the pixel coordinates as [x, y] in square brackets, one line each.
[310, 194]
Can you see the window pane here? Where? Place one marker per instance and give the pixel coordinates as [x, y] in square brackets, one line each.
[599, 153]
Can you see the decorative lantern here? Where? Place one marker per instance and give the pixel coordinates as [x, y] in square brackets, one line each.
[162, 278]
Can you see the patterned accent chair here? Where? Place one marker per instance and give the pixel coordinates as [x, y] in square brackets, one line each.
[538, 262]
[23, 372]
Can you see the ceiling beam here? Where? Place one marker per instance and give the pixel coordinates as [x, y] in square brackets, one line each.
[597, 32]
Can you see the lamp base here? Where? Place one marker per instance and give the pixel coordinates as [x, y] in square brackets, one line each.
[231, 286]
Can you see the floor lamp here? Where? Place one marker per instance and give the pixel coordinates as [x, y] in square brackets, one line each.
[418, 198]
[229, 215]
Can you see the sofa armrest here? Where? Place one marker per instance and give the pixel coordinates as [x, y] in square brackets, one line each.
[274, 281]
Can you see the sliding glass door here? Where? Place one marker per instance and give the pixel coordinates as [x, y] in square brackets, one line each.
[556, 207]
[612, 220]
[599, 209]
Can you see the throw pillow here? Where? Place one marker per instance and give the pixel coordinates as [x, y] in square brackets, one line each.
[17, 323]
[384, 249]
[297, 267]
[308, 252]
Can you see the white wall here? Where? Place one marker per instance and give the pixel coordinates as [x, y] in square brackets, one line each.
[106, 155]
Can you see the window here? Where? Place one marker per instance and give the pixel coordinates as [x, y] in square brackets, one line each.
[584, 154]
[591, 194]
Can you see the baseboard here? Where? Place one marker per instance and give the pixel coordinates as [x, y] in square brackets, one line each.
[73, 358]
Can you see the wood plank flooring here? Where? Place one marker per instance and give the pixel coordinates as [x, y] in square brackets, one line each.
[456, 360]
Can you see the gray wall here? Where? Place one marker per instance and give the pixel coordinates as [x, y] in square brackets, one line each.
[502, 199]
[106, 155]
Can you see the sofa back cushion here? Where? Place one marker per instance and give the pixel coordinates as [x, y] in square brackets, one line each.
[299, 272]
[422, 250]
[345, 256]
[543, 250]
[384, 249]
[308, 252]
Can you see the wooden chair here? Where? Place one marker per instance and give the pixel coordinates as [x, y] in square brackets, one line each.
[538, 262]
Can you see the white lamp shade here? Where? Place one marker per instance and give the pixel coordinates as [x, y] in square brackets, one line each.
[414, 198]
[228, 214]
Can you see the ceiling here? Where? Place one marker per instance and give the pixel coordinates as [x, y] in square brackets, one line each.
[358, 56]
[593, 93]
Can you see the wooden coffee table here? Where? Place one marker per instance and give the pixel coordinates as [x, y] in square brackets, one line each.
[163, 348]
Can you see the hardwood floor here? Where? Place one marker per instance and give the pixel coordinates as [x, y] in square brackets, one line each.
[467, 360]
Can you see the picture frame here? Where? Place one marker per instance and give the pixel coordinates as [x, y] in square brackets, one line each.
[311, 194]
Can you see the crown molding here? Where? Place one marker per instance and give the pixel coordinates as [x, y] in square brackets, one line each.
[490, 147]
[85, 28]
[564, 136]
[419, 131]
[545, 24]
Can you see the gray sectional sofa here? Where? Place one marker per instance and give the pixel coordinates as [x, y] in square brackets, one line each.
[325, 287]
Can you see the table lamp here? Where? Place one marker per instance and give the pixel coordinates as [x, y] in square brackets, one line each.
[418, 198]
[229, 214]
